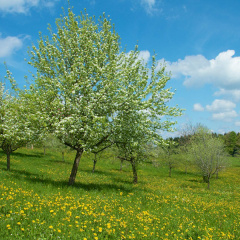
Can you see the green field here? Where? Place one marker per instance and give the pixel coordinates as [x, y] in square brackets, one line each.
[37, 203]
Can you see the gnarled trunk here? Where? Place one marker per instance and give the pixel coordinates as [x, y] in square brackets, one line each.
[75, 166]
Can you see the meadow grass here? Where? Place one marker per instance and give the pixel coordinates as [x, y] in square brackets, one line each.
[37, 203]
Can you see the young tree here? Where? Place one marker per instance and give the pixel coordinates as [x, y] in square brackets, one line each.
[140, 118]
[50, 141]
[169, 152]
[184, 141]
[15, 121]
[98, 150]
[208, 153]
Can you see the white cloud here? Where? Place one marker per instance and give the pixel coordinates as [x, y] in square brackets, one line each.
[237, 123]
[198, 107]
[8, 45]
[18, 6]
[223, 71]
[149, 5]
[225, 116]
[222, 110]
[144, 55]
[220, 105]
[230, 94]
[23, 6]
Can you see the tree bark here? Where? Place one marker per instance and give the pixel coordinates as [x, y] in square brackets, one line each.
[134, 169]
[8, 161]
[94, 163]
[206, 179]
[121, 165]
[170, 171]
[75, 167]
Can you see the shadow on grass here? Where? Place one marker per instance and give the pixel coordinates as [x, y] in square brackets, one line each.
[29, 155]
[60, 162]
[4, 164]
[37, 178]
[99, 172]
[182, 172]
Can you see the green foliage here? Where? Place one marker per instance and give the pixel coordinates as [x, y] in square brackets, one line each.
[16, 127]
[208, 152]
[232, 143]
[92, 95]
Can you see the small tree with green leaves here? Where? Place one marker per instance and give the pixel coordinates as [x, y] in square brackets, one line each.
[169, 153]
[208, 153]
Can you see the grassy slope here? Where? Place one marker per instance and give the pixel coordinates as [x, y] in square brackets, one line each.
[36, 203]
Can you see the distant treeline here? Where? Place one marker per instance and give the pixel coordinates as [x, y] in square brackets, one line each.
[231, 141]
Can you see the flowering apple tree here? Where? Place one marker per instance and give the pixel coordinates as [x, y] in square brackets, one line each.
[144, 113]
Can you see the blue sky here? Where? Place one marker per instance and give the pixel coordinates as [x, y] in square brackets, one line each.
[198, 40]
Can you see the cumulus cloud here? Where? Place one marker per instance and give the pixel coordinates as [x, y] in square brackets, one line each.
[222, 110]
[8, 45]
[220, 105]
[223, 71]
[23, 6]
[230, 94]
[198, 107]
[224, 116]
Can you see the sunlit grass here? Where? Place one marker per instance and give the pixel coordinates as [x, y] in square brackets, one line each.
[36, 202]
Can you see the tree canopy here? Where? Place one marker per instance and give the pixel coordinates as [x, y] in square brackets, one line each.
[90, 94]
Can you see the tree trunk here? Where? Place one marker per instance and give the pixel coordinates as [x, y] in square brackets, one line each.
[206, 179]
[121, 165]
[208, 185]
[170, 171]
[8, 161]
[44, 150]
[134, 169]
[94, 163]
[75, 167]
[63, 157]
